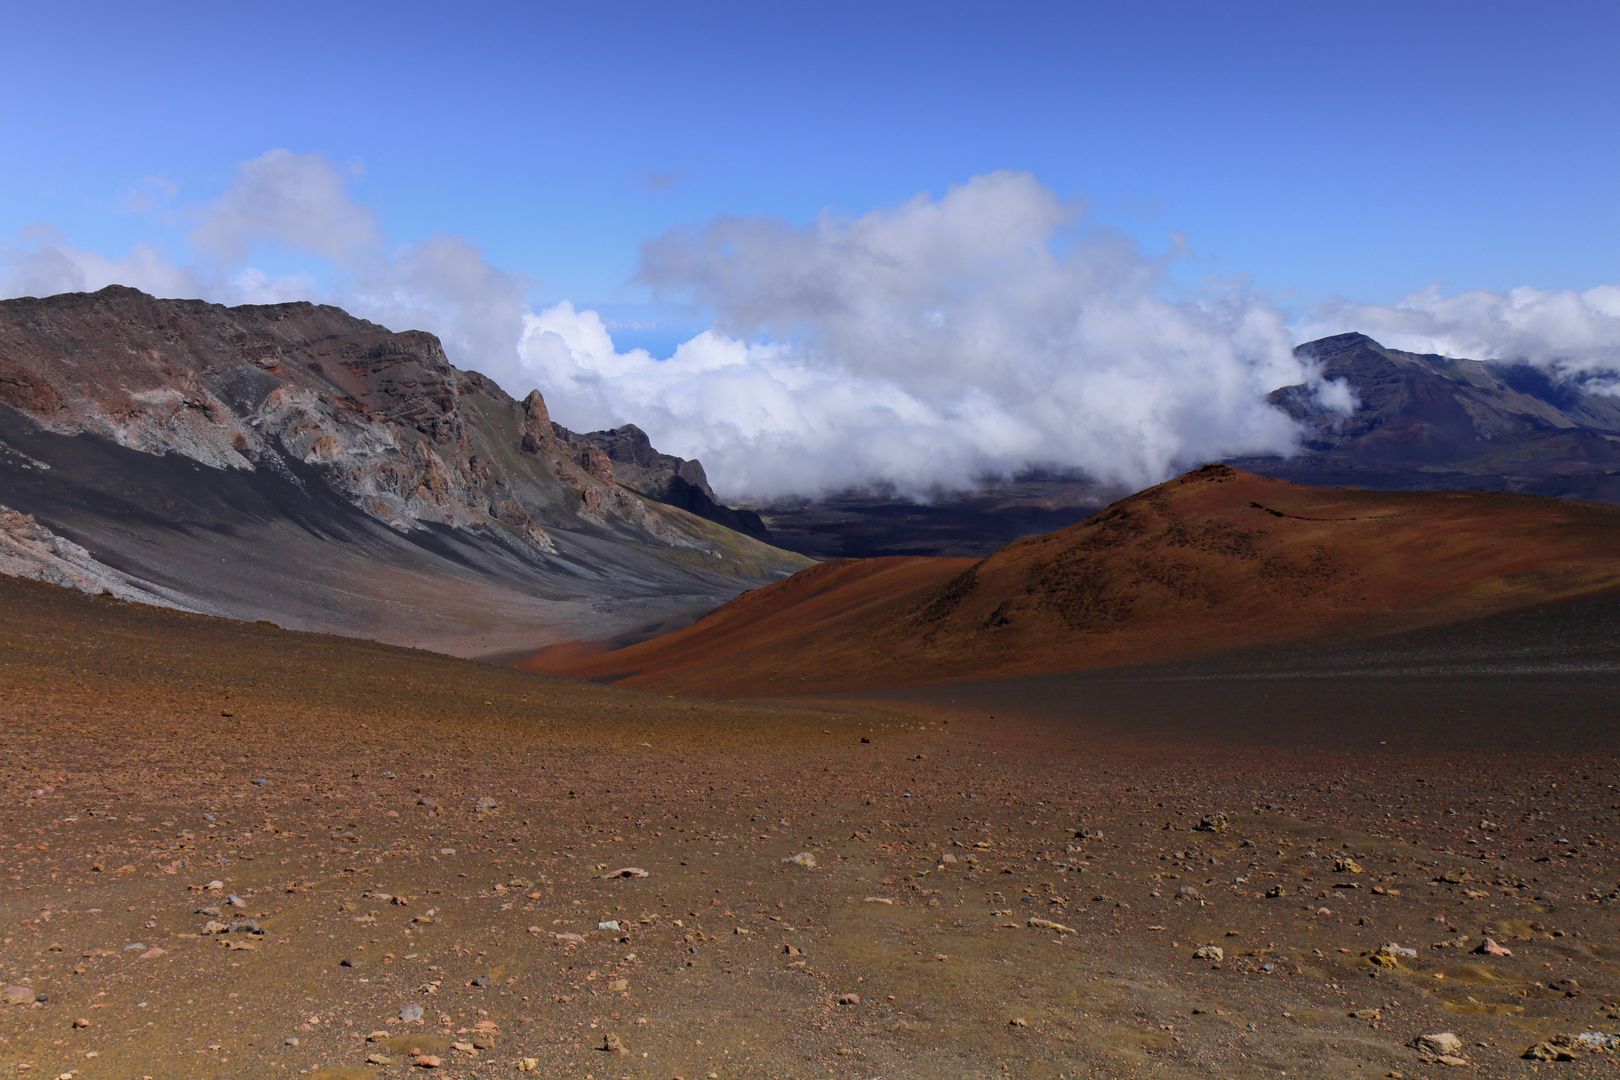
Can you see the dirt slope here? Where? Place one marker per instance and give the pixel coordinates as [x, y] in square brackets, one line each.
[1214, 559]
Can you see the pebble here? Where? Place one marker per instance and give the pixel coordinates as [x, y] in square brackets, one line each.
[1213, 953]
[611, 924]
[485, 805]
[1438, 1043]
[625, 872]
[804, 858]
[1491, 948]
[483, 982]
[81, 1022]
[849, 999]
[411, 1013]
[1187, 892]
[612, 1044]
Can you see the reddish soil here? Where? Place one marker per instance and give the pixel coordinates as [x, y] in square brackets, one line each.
[1019, 894]
[1213, 560]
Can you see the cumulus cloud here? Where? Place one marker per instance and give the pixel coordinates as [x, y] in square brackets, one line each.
[1572, 334]
[927, 345]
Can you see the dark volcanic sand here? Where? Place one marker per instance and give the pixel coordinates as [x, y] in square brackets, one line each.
[126, 728]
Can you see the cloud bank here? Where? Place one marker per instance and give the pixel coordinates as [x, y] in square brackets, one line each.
[930, 344]
[1571, 334]
[919, 346]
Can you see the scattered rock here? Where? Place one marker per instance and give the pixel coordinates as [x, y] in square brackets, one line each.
[81, 1022]
[482, 982]
[612, 1044]
[1187, 892]
[18, 995]
[411, 1014]
[849, 999]
[427, 1061]
[1018, 1021]
[377, 1058]
[1048, 924]
[611, 924]
[804, 858]
[1546, 1051]
[1212, 953]
[1489, 947]
[625, 872]
[1215, 823]
[1346, 866]
[485, 805]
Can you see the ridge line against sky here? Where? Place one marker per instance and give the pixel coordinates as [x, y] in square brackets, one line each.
[501, 176]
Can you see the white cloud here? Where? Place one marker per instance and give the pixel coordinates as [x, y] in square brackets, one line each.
[1570, 333]
[299, 201]
[927, 345]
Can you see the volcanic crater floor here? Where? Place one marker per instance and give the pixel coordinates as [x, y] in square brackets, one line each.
[234, 851]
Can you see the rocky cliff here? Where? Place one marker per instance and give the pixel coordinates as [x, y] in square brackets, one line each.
[148, 431]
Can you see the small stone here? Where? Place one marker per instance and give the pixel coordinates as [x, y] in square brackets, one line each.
[235, 901]
[293, 1041]
[378, 1058]
[610, 924]
[612, 1044]
[1213, 953]
[1346, 866]
[485, 805]
[1491, 948]
[618, 986]
[849, 999]
[1441, 1042]
[81, 1022]
[18, 995]
[1187, 892]
[1048, 924]
[804, 858]
[625, 872]
[261, 782]
[1018, 1021]
[483, 982]
[153, 953]
[427, 1061]
[411, 1014]
[528, 1064]
[1215, 823]
[1546, 1051]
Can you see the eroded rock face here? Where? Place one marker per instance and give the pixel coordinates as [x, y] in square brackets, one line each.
[386, 418]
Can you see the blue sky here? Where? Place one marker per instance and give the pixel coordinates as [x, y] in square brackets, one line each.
[1363, 151]
[1360, 149]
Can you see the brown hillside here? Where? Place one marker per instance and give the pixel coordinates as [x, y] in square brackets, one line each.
[1214, 559]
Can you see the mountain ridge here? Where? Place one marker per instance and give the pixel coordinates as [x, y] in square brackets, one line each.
[297, 439]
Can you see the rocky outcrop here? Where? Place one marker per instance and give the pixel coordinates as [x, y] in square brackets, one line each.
[667, 478]
[30, 550]
[117, 407]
